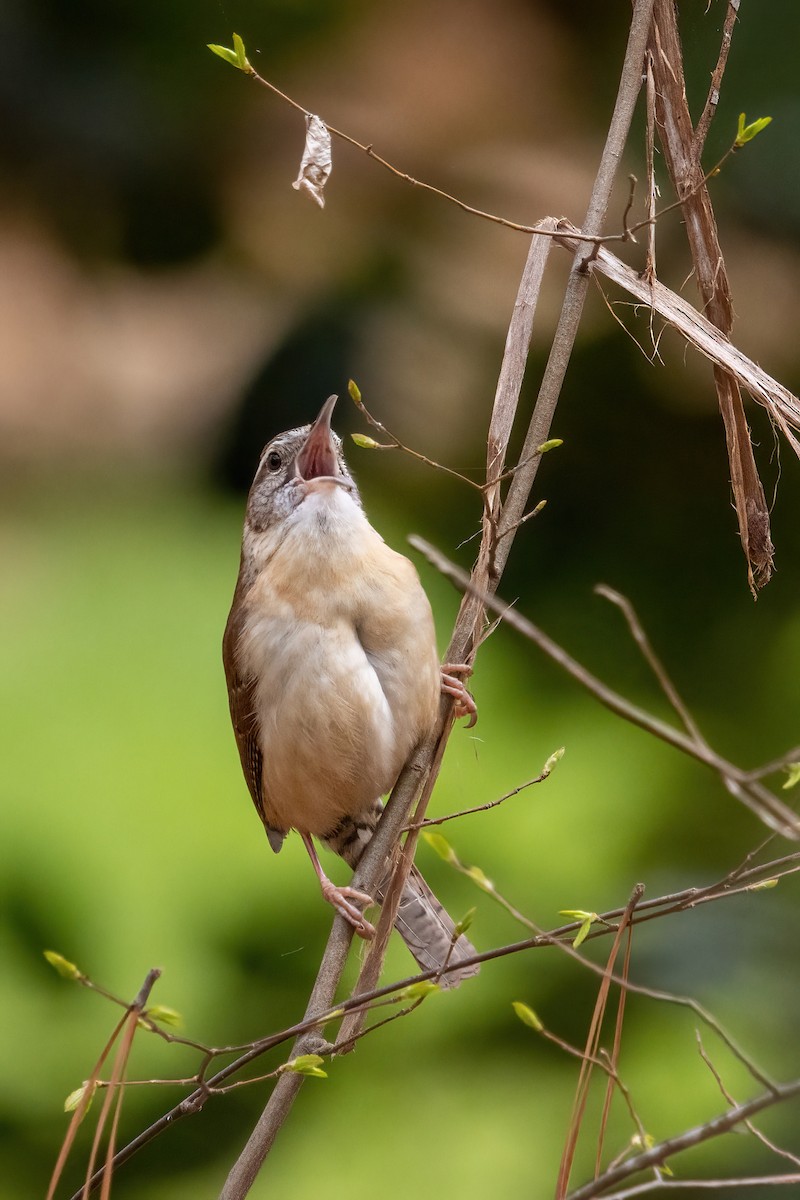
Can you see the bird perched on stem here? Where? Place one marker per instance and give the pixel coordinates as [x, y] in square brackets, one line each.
[333, 676]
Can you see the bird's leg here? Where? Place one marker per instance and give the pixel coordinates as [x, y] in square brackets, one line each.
[341, 897]
[453, 686]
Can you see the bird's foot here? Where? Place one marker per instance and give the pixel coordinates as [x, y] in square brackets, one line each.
[453, 686]
[341, 898]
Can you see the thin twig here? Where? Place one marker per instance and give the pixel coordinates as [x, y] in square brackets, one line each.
[726, 1095]
[467, 812]
[538, 230]
[745, 793]
[712, 100]
[654, 662]
[681, 1185]
[396, 444]
[776, 764]
[418, 183]
[628, 232]
[772, 811]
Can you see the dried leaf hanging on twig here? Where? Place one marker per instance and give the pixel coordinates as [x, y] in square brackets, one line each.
[317, 163]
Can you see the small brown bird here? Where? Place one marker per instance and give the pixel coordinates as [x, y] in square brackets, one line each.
[332, 671]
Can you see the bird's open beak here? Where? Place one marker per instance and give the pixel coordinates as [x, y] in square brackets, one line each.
[318, 458]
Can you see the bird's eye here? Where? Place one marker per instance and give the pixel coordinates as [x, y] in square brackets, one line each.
[274, 460]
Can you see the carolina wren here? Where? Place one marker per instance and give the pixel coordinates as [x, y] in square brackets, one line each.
[332, 671]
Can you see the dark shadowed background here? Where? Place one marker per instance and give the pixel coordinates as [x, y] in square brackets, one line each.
[167, 303]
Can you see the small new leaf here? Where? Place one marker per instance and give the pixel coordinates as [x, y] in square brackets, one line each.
[366, 443]
[554, 758]
[441, 845]
[305, 1064]
[354, 391]
[241, 57]
[463, 925]
[76, 1098]
[163, 1015]
[483, 881]
[763, 886]
[580, 936]
[586, 918]
[552, 444]
[236, 57]
[792, 776]
[746, 133]
[224, 52]
[418, 991]
[527, 1015]
[65, 968]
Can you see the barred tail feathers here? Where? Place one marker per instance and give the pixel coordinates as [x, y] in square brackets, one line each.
[428, 930]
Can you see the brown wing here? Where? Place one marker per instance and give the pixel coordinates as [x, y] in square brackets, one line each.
[241, 697]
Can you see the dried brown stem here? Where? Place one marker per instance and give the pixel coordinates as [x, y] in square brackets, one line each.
[125, 1028]
[783, 407]
[591, 1050]
[649, 272]
[615, 1051]
[681, 152]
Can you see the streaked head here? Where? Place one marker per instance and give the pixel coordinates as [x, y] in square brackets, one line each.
[295, 463]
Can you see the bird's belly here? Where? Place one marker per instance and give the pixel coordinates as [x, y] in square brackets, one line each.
[327, 733]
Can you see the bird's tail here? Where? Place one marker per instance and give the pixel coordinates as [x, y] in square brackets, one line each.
[422, 921]
[428, 930]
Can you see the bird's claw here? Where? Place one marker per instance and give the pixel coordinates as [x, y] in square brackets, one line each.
[340, 898]
[453, 686]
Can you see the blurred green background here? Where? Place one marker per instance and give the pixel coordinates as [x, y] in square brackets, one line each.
[168, 303]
